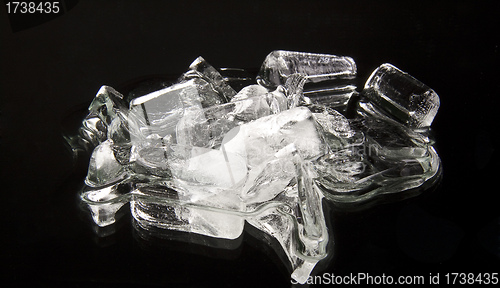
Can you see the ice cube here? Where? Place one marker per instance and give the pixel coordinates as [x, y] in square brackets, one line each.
[190, 219]
[104, 203]
[199, 157]
[250, 91]
[334, 98]
[298, 224]
[107, 106]
[150, 158]
[203, 178]
[209, 167]
[207, 127]
[266, 181]
[406, 99]
[104, 169]
[279, 65]
[160, 111]
[201, 69]
[294, 90]
[259, 140]
[332, 121]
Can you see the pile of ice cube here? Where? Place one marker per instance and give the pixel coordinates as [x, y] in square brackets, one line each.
[200, 157]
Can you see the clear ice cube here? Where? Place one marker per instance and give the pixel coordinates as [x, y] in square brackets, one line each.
[159, 112]
[301, 205]
[107, 106]
[328, 78]
[250, 91]
[208, 167]
[279, 65]
[261, 139]
[207, 127]
[403, 97]
[201, 69]
[334, 98]
[331, 121]
[104, 169]
[104, 204]
[267, 180]
[192, 219]
[204, 180]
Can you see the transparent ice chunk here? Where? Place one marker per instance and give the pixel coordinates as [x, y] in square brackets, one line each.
[104, 207]
[207, 127]
[331, 121]
[270, 178]
[301, 205]
[328, 78]
[334, 98]
[159, 112]
[280, 64]
[261, 139]
[201, 69]
[104, 169]
[205, 180]
[250, 91]
[406, 99]
[209, 167]
[107, 106]
[187, 218]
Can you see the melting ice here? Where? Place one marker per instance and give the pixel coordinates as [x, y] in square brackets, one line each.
[200, 157]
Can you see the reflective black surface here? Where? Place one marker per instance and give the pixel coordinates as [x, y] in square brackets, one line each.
[52, 71]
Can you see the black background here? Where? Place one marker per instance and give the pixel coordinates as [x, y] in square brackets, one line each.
[52, 69]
